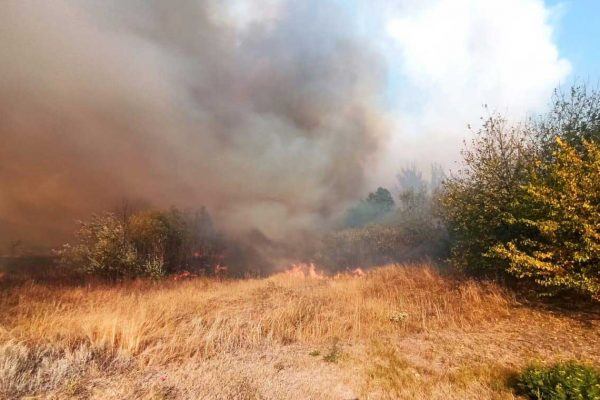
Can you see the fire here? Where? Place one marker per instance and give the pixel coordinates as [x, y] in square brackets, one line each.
[184, 275]
[355, 273]
[304, 270]
[221, 269]
[309, 271]
[358, 272]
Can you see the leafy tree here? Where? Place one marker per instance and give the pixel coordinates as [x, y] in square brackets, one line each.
[381, 200]
[437, 178]
[527, 201]
[475, 201]
[375, 208]
[574, 117]
[381, 233]
[410, 178]
[413, 193]
[558, 216]
[146, 243]
[102, 249]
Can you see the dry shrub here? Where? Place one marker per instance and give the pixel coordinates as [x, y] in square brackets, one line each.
[29, 369]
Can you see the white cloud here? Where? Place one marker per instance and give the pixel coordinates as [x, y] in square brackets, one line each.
[456, 55]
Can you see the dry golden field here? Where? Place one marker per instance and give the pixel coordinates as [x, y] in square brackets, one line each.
[396, 332]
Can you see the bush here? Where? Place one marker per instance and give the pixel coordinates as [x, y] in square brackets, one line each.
[474, 202]
[527, 202]
[148, 243]
[380, 231]
[558, 218]
[374, 209]
[563, 381]
[380, 244]
[102, 249]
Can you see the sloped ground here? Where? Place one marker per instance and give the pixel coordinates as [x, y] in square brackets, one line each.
[398, 332]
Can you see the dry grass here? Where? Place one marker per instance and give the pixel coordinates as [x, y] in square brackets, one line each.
[398, 332]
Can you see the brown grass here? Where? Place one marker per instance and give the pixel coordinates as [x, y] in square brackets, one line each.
[398, 332]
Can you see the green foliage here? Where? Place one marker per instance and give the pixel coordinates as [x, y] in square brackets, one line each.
[148, 243]
[379, 244]
[102, 249]
[527, 202]
[375, 208]
[417, 214]
[334, 353]
[475, 202]
[154, 267]
[379, 231]
[358, 247]
[558, 218]
[574, 116]
[563, 381]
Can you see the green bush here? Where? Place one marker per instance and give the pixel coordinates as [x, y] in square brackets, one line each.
[558, 221]
[380, 230]
[102, 249]
[475, 201]
[374, 209]
[527, 204]
[563, 381]
[148, 243]
[381, 244]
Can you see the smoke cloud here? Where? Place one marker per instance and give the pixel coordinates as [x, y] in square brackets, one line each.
[269, 117]
[275, 114]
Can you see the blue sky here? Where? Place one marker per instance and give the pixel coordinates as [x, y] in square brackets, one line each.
[578, 36]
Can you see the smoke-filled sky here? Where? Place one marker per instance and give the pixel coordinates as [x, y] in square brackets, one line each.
[275, 114]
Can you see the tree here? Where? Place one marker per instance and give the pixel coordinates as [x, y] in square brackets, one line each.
[559, 221]
[413, 190]
[381, 200]
[574, 117]
[102, 249]
[375, 208]
[146, 243]
[475, 201]
[527, 202]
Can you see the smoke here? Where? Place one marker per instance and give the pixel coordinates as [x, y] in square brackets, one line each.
[275, 114]
[269, 118]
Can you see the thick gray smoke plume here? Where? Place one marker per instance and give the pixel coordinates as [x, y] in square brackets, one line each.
[268, 117]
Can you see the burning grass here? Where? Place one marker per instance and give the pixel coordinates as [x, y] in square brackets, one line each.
[104, 341]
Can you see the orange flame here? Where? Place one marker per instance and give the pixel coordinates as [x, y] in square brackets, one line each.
[309, 271]
[303, 270]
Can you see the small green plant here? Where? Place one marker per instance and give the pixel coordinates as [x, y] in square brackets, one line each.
[72, 386]
[334, 353]
[398, 316]
[314, 353]
[562, 381]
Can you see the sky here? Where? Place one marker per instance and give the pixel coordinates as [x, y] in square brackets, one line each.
[451, 62]
[578, 35]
